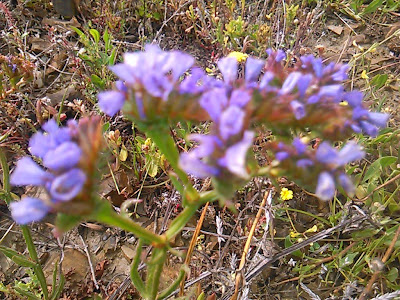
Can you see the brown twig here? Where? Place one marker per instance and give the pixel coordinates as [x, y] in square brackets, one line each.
[192, 244]
[376, 274]
[239, 272]
[378, 188]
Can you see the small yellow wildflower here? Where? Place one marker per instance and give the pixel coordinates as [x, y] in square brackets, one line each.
[344, 103]
[240, 57]
[364, 75]
[286, 194]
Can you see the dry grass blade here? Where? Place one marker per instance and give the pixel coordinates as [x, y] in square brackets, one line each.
[239, 273]
[375, 276]
[192, 244]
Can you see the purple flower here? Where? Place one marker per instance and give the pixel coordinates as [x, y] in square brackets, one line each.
[253, 69]
[303, 83]
[62, 180]
[228, 67]
[111, 102]
[65, 156]
[282, 155]
[290, 82]
[278, 55]
[240, 98]
[300, 146]
[231, 122]
[341, 74]
[190, 163]
[68, 185]
[298, 109]
[265, 80]
[41, 143]
[349, 153]
[235, 156]
[347, 184]
[325, 186]
[28, 210]
[326, 154]
[378, 119]
[354, 98]
[214, 102]
[28, 172]
[304, 163]
[193, 162]
[334, 91]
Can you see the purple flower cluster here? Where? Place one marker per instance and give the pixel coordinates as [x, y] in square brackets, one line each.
[153, 73]
[223, 152]
[63, 179]
[309, 95]
[326, 161]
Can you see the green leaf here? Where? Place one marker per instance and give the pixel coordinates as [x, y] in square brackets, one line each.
[97, 81]
[95, 34]
[375, 169]
[123, 153]
[113, 56]
[153, 168]
[27, 294]
[393, 274]
[66, 222]
[19, 259]
[347, 260]
[288, 243]
[379, 81]
[106, 39]
[372, 7]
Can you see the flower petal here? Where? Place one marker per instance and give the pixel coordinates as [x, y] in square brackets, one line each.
[325, 186]
[110, 102]
[68, 185]
[28, 210]
[65, 156]
[28, 172]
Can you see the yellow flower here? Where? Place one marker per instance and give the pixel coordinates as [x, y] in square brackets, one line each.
[286, 194]
[364, 75]
[240, 57]
[344, 103]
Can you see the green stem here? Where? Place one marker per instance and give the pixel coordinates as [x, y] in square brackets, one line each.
[6, 177]
[155, 268]
[181, 220]
[25, 230]
[33, 255]
[166, 144]
[135, 277]
[107, 215]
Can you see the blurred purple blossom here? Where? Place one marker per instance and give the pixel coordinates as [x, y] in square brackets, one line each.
[62, 179]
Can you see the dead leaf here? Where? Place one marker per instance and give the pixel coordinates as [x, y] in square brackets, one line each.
[336, 29]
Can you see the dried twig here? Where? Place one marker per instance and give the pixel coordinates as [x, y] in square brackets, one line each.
[239, 272]
[192, 244]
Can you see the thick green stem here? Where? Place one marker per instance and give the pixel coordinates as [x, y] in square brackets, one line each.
[107, 215]
[135, 277]
[155, 268]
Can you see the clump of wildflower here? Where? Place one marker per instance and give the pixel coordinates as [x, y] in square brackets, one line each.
[147, 82]
[63, 176]
[286, 194]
